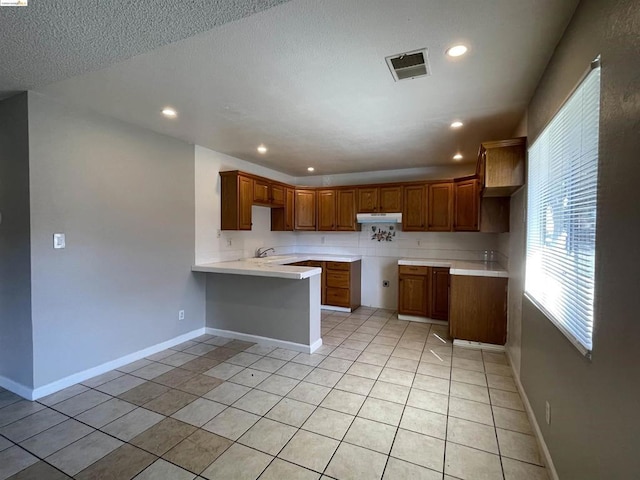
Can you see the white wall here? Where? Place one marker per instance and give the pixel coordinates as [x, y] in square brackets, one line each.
[212, 244]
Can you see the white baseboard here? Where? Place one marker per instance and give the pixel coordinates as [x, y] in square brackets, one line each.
[413, 318]
[335, 309]
[478, 345]
[34, 394]
[551, 469]
[15, 387]
[273, 342]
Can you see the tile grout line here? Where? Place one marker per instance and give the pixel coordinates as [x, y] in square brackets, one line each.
[360, 324]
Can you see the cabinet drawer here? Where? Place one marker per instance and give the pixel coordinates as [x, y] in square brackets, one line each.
[413, 270]
[337, 279]
[337, 296]
[338, 266]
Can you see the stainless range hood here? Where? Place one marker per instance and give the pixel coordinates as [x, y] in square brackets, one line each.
[379, 217]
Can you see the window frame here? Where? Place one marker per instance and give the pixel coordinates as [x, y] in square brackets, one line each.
[585, 350]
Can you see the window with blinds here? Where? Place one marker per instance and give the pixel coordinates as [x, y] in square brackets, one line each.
[561, 214]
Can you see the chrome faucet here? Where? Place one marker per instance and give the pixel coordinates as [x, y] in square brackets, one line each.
[263, 253]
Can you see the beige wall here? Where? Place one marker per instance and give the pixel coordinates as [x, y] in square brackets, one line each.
[124, 197]
[16, 359]
[593, 432]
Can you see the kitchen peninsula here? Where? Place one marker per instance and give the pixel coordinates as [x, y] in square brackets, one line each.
[269, 300]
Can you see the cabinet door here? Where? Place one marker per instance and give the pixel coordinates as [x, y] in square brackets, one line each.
[367, 200]
[412, 299]
[245, 200]
[346, 211]
[414, 209]
[390, 199]
[478, 309]
[439, 293]
[440, 207]
[261, 192]
[277, 195]
[323, 279]
[466, 206]
[305, 210]
[326, 209]
[289, 210]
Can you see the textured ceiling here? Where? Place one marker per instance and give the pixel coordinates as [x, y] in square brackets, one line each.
[308, 79]
[54, 39]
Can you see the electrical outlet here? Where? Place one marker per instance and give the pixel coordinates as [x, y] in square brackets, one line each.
[419, 242]
[547, 413]
[219, 233]
[385, 283]
[322, 240]
[180, 314]
[229, 242]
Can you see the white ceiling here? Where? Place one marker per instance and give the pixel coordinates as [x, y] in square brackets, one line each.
[308, 79]
[50, 40]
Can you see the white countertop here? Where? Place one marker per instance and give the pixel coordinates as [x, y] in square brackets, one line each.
[460, 267]
[274, 266]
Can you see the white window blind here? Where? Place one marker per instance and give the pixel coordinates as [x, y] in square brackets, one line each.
[561, 214]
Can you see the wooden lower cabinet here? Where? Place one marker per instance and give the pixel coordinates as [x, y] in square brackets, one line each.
[424, 292]
[413, 299]
[478, 309]
[440, 293]
[340, 282]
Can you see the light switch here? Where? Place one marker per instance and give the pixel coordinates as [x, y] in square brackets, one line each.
[58, 240]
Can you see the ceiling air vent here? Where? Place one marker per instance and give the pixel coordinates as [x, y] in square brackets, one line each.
[409, 65]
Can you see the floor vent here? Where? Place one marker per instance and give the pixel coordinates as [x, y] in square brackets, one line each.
[406, 66]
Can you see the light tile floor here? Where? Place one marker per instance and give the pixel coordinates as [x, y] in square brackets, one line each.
[382, 398]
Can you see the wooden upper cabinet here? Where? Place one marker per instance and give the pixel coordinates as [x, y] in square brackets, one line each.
[267, 194]
[305, 209]
[236, 192]
[346, 210]
[246, 187]
[380, 199]
[326, 209]
[390, 199]
[501, 166]
[414, 208]
[277, 194]
[466, 216]
[367, 200]
[282, 219]
[440, 207]
[261, 192]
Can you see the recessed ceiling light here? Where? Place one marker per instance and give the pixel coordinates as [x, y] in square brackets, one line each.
[457, 50]
[169, 112]
[262, 149]
[310, 169]
[457, 156]
[457, 124]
